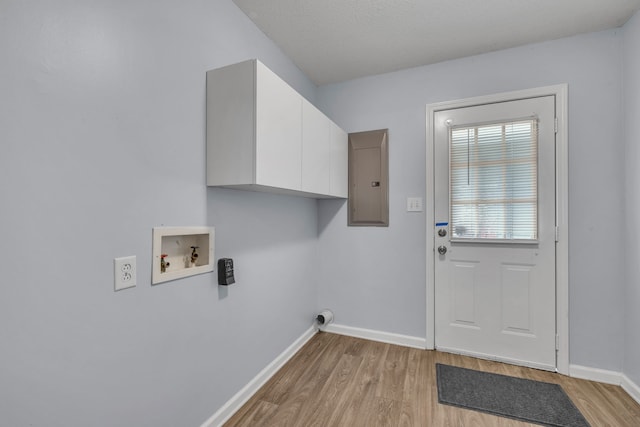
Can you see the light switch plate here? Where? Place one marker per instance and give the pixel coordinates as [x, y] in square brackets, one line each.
[414, 204]
[124, 272]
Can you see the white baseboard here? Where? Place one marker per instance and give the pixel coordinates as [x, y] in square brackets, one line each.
[631, 388]
[240, 398]
[607, 377]
[595, 374]
[386, 337]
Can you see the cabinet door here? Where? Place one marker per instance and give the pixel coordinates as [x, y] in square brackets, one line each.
[316, 149]
[339, 167]
[230, 130]
[278, 131]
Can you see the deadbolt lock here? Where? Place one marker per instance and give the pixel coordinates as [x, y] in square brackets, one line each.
[442, 232]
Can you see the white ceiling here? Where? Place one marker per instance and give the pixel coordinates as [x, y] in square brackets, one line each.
[337, 40]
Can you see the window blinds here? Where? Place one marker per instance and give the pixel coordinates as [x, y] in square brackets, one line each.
[493, 178]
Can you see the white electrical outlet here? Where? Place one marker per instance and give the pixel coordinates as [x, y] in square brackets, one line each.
[124, 272]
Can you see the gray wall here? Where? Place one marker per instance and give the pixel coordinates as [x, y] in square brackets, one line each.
[376, 277]
[102, 137]
[632, 191]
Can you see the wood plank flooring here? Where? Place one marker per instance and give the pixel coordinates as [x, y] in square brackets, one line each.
[342, 381]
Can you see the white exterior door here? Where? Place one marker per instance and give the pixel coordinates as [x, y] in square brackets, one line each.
[495, 277]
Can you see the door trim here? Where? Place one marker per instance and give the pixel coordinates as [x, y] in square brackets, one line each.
[562, 203]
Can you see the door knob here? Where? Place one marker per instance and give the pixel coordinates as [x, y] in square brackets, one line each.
[442, 250]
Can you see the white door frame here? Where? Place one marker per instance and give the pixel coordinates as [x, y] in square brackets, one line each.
[562, 215]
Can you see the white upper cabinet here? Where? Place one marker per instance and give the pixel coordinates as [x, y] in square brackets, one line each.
[262, 135]
[278, 130]
[316, 150]
[339, 168]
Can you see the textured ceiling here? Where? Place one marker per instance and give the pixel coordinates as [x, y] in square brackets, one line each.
[338, 40]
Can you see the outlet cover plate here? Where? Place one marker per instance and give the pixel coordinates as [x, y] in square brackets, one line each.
[124, 272]
[414, 204]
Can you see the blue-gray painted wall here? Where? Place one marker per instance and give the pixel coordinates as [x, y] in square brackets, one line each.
[102, 127]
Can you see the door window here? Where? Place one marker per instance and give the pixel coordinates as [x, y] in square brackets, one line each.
[493, 182]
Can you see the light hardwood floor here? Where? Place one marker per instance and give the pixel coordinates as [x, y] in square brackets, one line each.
[342, 381]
